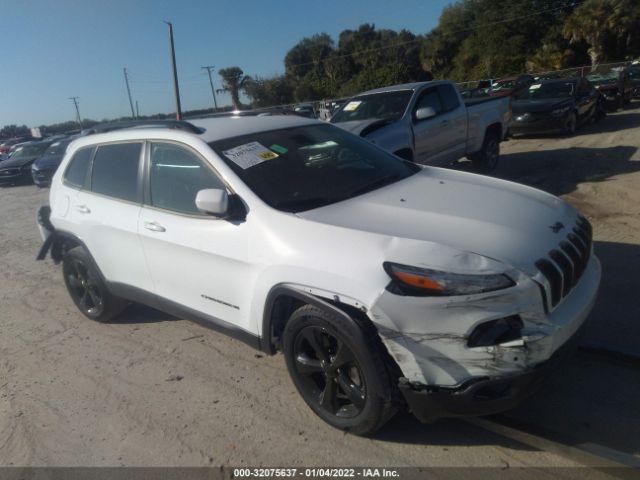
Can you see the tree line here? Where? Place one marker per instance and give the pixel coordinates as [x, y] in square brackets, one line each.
[474, 39]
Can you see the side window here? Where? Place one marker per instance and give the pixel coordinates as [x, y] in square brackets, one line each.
[449, 97]
[176, 177]
[76, 173]
[115, 171]
[430, 98]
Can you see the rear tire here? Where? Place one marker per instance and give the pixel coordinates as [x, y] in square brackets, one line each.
[87, 289]
[339, 370]
[571, 124]
[486, 160]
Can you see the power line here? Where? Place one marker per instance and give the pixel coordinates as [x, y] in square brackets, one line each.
[417, 40]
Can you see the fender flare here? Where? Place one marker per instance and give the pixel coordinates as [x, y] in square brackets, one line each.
[267, 341]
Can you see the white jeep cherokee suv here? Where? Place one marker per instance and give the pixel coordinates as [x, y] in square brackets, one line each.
[384, 283]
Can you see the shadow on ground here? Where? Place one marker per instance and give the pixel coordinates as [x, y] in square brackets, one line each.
[614, 323]
[560, 171]
[137, 313]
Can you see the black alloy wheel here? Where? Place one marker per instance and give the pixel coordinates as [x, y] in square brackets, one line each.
[86, 287]
[339, 367]
[83, 288]
[329, 372]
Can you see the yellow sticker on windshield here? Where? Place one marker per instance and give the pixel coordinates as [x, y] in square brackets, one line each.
[268, 155]
[351, 106]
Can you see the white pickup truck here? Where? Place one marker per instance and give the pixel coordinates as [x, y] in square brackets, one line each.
[429, 123]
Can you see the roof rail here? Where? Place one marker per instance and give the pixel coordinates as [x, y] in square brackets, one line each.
[110, 126]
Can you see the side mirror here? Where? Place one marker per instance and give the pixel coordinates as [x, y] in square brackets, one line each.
[213, 200]
[424, 113]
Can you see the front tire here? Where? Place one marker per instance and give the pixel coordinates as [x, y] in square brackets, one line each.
[339, 370]
[86, 287]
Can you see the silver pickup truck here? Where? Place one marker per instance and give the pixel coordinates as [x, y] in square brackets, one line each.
[429, 123]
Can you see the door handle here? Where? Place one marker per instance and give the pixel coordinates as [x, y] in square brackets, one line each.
[444, 123]
[83, 209]
[154, 227]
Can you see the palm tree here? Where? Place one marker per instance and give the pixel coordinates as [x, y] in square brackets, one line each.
[233, 80]
[590, 23]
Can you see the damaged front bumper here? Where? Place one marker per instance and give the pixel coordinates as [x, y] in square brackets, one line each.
[444, 375]
[480, 395]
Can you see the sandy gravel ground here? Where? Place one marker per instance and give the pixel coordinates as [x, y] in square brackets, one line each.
[158, 391]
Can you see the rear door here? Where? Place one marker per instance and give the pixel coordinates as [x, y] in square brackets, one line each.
[196, 260]
[107, 212]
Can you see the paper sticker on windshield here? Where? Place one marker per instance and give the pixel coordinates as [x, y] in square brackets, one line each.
[535, 86]
[249, 154]
[351, 106]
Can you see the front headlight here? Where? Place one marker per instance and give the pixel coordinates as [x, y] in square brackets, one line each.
[424, 281]
[560, 111]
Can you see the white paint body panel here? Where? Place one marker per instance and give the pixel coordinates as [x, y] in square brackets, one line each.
[440, 219]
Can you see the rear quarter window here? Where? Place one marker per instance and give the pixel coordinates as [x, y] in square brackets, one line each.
[115, 171]
[76, 173]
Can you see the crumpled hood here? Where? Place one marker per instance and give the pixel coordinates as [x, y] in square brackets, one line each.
[501, 220]
[536, 106]
[364, 127]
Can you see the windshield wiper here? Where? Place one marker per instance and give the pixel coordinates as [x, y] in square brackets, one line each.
[380, 182]
[302, 204]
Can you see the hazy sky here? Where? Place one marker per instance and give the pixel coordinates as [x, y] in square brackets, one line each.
[55, 49]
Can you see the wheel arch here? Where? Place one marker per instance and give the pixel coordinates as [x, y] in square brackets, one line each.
[494, 128]
[283, 300]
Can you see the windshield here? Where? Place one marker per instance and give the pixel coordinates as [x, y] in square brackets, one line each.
[58, 148]
[504, 85]
[539, 91]
[30, 150]
[601, 79]
[634, 72]
[387, 105]
[302, 168]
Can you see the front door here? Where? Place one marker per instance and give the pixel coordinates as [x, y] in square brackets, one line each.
[196, 260]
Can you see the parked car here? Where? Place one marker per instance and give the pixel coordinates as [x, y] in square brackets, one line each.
[616, 87]
[44, 167]
[383, 282]
[305, 110]
[329, 107]
[634, 75]
[6, 145]
[510, 85]
[554, 106]
[17, 169]
[428, 123]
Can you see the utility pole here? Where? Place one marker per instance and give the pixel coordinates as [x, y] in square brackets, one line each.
[126, 81]
[176, 87]
[137, 110]
[75, 102]
[208, 68]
